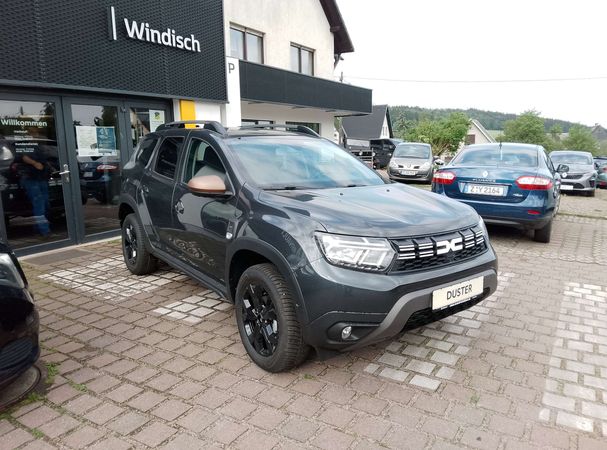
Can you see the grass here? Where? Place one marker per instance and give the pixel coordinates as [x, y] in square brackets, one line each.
[78, 387]
[474, 399]
[52, 370]
[37, 433]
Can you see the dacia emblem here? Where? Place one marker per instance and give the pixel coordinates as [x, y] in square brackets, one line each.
[452, 245]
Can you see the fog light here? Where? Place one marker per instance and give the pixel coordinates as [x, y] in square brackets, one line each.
[346, 332]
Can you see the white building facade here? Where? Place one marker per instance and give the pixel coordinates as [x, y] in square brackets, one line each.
[295, 44]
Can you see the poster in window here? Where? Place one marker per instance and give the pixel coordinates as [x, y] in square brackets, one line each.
[96, 141]
[156, 118]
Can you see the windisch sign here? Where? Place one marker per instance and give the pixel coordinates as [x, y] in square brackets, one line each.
[143, 31]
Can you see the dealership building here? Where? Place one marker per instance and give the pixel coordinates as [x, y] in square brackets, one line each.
[82, 81]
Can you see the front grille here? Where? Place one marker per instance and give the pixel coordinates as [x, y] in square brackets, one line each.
[575, 176]
[438, 250]
[428, 315]
[15, 353]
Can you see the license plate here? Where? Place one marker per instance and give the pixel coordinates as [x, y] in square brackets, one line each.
[486, 189]
[88, 174]
[457, 293]
[408, 172]
[566, 187]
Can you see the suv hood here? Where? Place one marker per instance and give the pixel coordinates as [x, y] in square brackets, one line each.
[391, 210]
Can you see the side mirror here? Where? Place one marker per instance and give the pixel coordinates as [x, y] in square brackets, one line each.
[209, 185]
[439, 162]
[562, 168]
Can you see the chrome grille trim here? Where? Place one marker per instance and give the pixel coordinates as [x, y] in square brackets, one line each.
[438, 250]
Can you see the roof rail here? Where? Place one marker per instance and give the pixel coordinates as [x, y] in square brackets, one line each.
[297, 128]
[211, 125]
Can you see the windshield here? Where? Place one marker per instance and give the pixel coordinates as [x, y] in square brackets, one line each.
[571, 158]
[411, 151]
[496, 156]
[295, 162]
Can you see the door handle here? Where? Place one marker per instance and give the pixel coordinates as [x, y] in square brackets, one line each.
[65, 172]
[179, 207]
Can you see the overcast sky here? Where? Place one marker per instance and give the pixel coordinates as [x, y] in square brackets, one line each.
[482, 40]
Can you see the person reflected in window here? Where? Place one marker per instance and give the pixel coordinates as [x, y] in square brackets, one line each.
[34, 180]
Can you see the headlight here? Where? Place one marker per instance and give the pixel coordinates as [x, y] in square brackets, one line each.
[393, 164]
[355, 252]
[425, 165]
[9, 275]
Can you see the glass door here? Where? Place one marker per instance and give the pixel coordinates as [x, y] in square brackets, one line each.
[34, 176]
[101, 137]
[95, 143]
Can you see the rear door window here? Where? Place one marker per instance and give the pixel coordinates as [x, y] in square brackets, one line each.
[168, 155]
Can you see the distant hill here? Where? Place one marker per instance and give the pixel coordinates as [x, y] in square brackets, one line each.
[491, 120]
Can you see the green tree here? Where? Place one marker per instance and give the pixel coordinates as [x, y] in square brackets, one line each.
[580, 138]
[444, 135]
[527, 128]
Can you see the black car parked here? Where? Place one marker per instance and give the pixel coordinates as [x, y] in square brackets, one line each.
[19, 321]
[314, 248]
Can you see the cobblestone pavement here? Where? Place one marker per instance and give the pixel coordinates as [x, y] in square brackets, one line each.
[156, 361]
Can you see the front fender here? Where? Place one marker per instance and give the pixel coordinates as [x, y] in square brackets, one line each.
[275, 257]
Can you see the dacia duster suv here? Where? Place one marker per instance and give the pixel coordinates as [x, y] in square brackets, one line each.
[314, 249]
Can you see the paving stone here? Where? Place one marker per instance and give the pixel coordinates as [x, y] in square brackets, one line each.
[83, 437]
[558, 401]
[154, 434]
[127, 423]
[392, 359]
[573, 421]
[170, 409]
[103, 413]
[197, 419]
[420, 366]
[595, 410]
[299, 429]
[38, 417]
[330, 439]
[425, 382]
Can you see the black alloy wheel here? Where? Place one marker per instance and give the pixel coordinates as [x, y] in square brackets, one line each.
[137, 258]
[266, 316]
[130, 244]
[260, 320]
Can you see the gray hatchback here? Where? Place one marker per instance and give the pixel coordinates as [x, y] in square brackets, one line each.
[582, 173]
[411, 161]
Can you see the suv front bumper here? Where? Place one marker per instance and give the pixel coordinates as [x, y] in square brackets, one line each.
[377, 305]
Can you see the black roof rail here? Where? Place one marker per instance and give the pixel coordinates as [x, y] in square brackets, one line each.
[211, 125]
[297, 128]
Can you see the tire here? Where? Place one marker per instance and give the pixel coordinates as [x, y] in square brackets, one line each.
[543, 234]
[136, 257]
[263, 296]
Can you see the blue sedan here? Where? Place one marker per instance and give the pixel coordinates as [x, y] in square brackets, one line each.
[507, 184]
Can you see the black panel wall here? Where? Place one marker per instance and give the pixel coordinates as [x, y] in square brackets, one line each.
[67, 43]
[269, 84]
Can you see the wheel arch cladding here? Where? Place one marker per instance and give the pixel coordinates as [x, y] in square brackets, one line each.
[249, 252]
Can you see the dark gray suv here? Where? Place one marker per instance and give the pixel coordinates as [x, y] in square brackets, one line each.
[312, 247]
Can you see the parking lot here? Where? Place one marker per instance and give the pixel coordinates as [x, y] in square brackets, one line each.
[156, 361]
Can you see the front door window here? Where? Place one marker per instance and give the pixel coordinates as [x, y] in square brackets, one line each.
[31, 187]
[98, 146]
